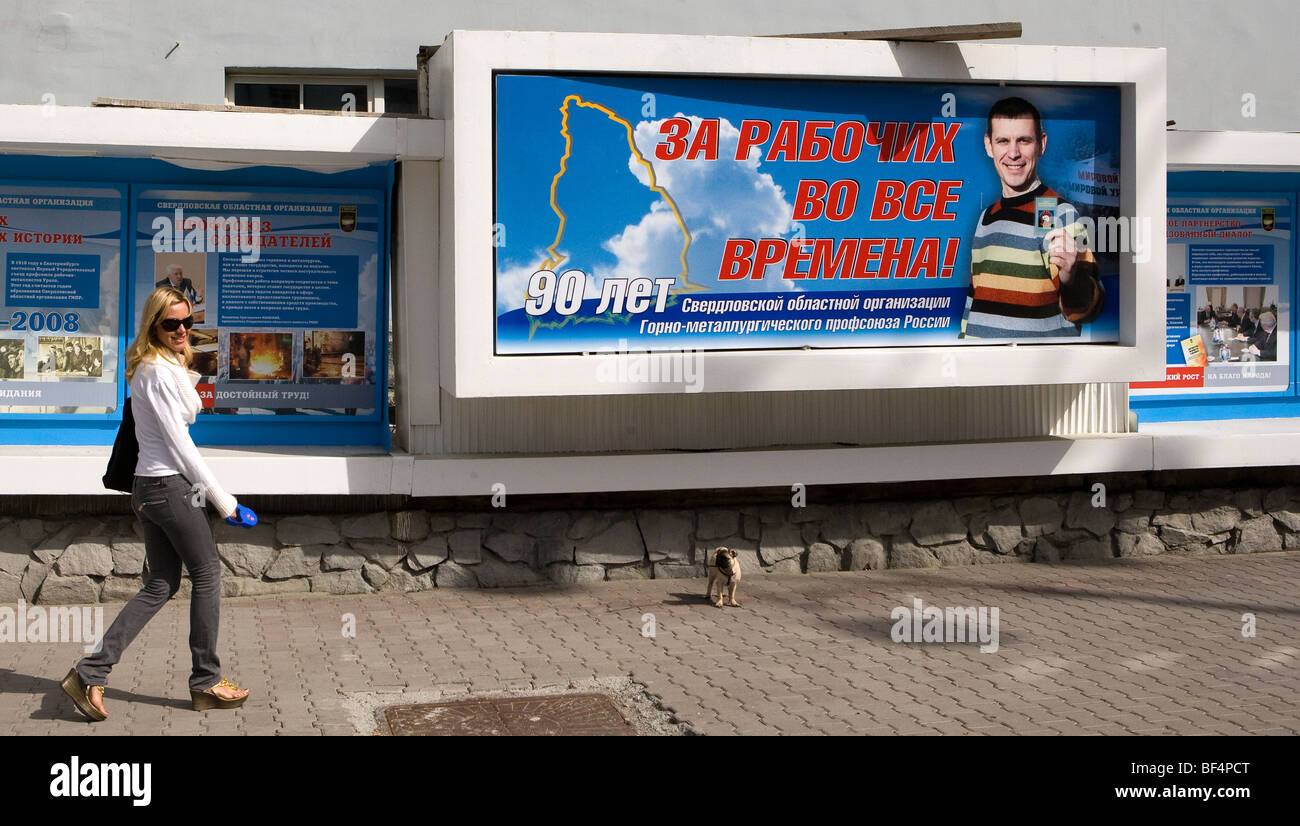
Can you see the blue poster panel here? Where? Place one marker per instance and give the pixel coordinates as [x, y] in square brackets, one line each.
[286, 294]
[61, 251]
[740, 214]
[1228, 299]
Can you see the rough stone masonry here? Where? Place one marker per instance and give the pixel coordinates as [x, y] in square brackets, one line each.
[102, 559]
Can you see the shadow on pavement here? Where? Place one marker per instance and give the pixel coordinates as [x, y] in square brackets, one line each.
[1163, 599]
[55, 705]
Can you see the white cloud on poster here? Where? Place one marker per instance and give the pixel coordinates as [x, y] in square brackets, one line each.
[512, 282]
[717, 199]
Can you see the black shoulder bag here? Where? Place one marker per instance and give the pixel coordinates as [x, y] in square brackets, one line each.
[126, 450]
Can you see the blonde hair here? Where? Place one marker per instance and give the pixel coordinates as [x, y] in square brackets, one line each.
[146, 344]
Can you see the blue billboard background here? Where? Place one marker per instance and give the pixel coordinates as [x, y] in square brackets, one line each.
[579, 187]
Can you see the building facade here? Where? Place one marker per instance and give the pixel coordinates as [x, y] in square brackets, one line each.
[901, 457]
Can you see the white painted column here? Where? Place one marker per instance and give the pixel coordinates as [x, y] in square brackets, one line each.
[415, 297]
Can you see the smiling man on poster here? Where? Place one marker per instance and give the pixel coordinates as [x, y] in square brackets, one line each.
[1027, 281]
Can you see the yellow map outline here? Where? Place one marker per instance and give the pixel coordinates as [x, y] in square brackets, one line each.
[554, 259]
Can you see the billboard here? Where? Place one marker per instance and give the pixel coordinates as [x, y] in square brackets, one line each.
[707, 213]
[286, 292]
[1228, 296]
[786, 214]
[61, 248]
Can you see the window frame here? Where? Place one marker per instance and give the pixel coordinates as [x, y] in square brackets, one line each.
[374, 83]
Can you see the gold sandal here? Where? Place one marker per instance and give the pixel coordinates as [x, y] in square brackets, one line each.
[77, 689]
[204, 700]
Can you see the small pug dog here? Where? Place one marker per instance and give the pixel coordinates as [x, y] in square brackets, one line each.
[724, 571]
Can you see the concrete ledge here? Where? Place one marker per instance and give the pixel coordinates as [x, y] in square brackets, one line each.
[1211, 444]
[231, 137]
[280, 471]
[1248, 151]
[283, 473]
[57, 470]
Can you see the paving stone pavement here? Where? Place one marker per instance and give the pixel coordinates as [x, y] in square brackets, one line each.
[1125, 647]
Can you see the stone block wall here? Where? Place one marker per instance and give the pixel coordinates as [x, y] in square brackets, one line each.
[102, 559]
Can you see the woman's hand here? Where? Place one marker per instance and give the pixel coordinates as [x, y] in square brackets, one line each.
[242, 517]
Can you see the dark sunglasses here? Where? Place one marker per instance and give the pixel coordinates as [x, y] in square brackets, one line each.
[171, 325]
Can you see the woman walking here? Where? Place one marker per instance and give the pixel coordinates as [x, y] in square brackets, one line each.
[172, 483]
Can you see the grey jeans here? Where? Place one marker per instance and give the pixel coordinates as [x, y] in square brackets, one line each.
[175, 532]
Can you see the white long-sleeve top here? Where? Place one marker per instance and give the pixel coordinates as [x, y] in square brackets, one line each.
[165, 403]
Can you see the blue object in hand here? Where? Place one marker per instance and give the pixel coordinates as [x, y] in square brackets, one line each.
[245, 517]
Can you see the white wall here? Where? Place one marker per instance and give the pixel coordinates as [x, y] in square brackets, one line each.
[78, 50]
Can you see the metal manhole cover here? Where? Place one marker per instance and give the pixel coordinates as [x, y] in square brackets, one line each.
[559, 714]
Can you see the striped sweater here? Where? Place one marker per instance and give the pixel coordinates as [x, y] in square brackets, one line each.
[1013, 292]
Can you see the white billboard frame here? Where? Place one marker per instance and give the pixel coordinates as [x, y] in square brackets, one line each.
[461, 93]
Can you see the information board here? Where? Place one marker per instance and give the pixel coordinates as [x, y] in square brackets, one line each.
[61, 249]
[286, 293]
[1228, 300]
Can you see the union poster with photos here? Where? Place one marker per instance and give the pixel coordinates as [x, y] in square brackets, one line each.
[61, 249]
[285, 287]
[1227, 296]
